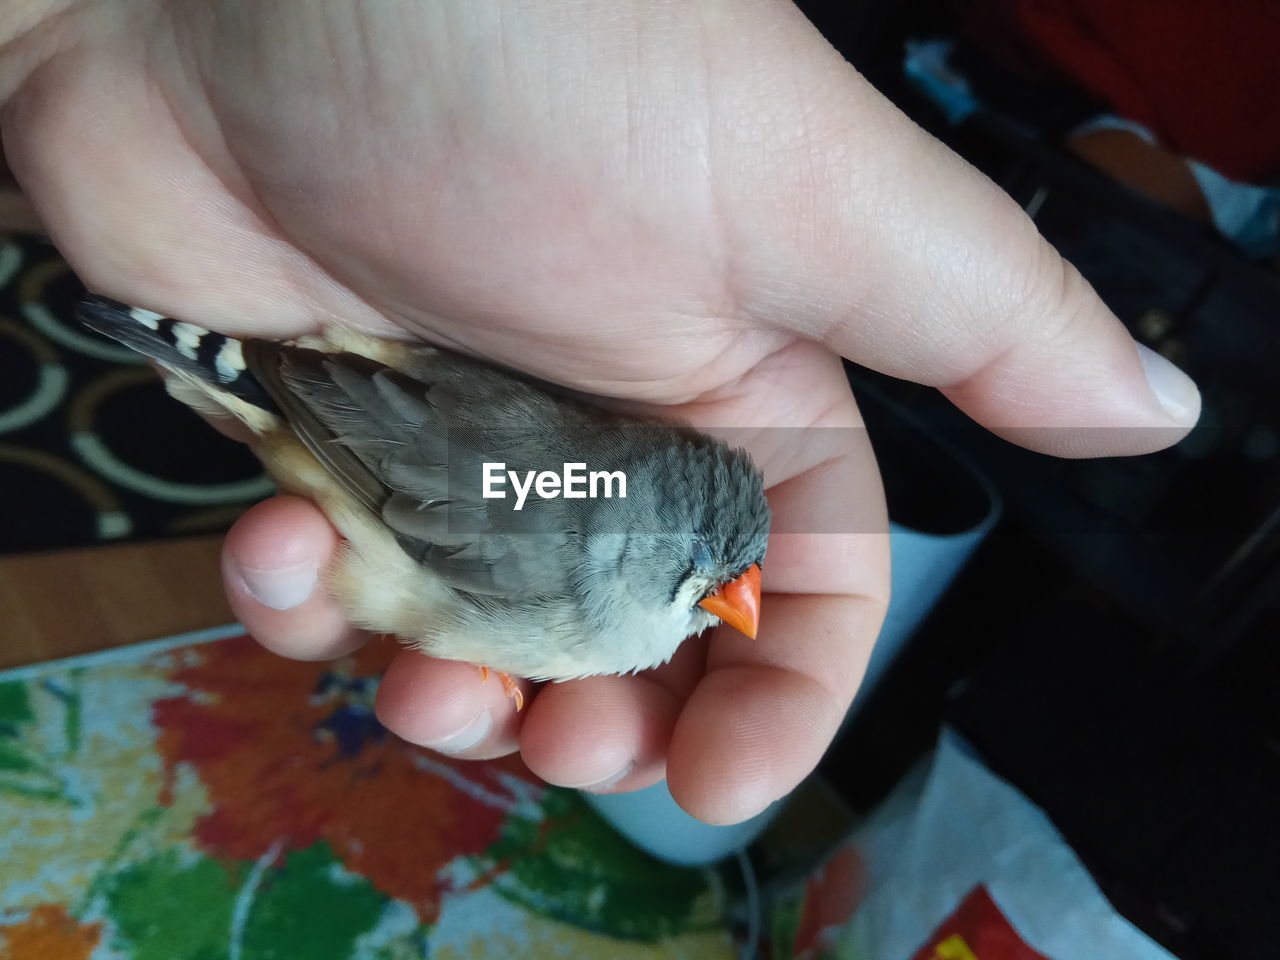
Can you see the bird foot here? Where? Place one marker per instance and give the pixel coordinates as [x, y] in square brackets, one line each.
[509, 686]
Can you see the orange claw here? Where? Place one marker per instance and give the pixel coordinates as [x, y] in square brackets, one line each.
[512, 689]
[509, 686]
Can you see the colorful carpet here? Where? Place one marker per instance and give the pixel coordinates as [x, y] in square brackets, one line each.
[202, 799]
[91, 448]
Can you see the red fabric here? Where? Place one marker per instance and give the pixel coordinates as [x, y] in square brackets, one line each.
[977, 931]
[1203, 75]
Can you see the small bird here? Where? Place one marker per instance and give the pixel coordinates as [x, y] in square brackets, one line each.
[409, 450]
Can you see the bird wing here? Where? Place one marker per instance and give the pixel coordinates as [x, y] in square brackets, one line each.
[402, 446]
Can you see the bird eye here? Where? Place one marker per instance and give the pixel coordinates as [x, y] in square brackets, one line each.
[701, 555]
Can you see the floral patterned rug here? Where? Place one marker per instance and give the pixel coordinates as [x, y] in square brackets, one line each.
[202, 799]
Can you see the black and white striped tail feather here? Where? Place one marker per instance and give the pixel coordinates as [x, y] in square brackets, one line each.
[182, 346]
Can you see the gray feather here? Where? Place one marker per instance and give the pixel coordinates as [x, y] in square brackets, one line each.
[381, 434]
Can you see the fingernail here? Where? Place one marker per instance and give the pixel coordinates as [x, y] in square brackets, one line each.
[610, 781]
[282, 588]
[470, 735]
[1176, 391]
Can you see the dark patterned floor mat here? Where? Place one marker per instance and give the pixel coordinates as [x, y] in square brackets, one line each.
[91, 448]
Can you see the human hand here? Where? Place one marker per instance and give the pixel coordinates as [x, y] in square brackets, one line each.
[693, 207]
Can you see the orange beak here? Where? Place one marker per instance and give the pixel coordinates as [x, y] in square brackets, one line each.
[737, 603]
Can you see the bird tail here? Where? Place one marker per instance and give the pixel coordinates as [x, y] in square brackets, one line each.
[214, 359]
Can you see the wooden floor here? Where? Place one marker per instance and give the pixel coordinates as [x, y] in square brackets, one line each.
[59, 604]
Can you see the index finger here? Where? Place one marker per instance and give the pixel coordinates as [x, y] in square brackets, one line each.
[763, 714]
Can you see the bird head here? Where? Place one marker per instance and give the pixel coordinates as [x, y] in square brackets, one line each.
[684, 550]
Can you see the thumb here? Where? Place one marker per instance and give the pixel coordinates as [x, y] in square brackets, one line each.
[894, 252]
